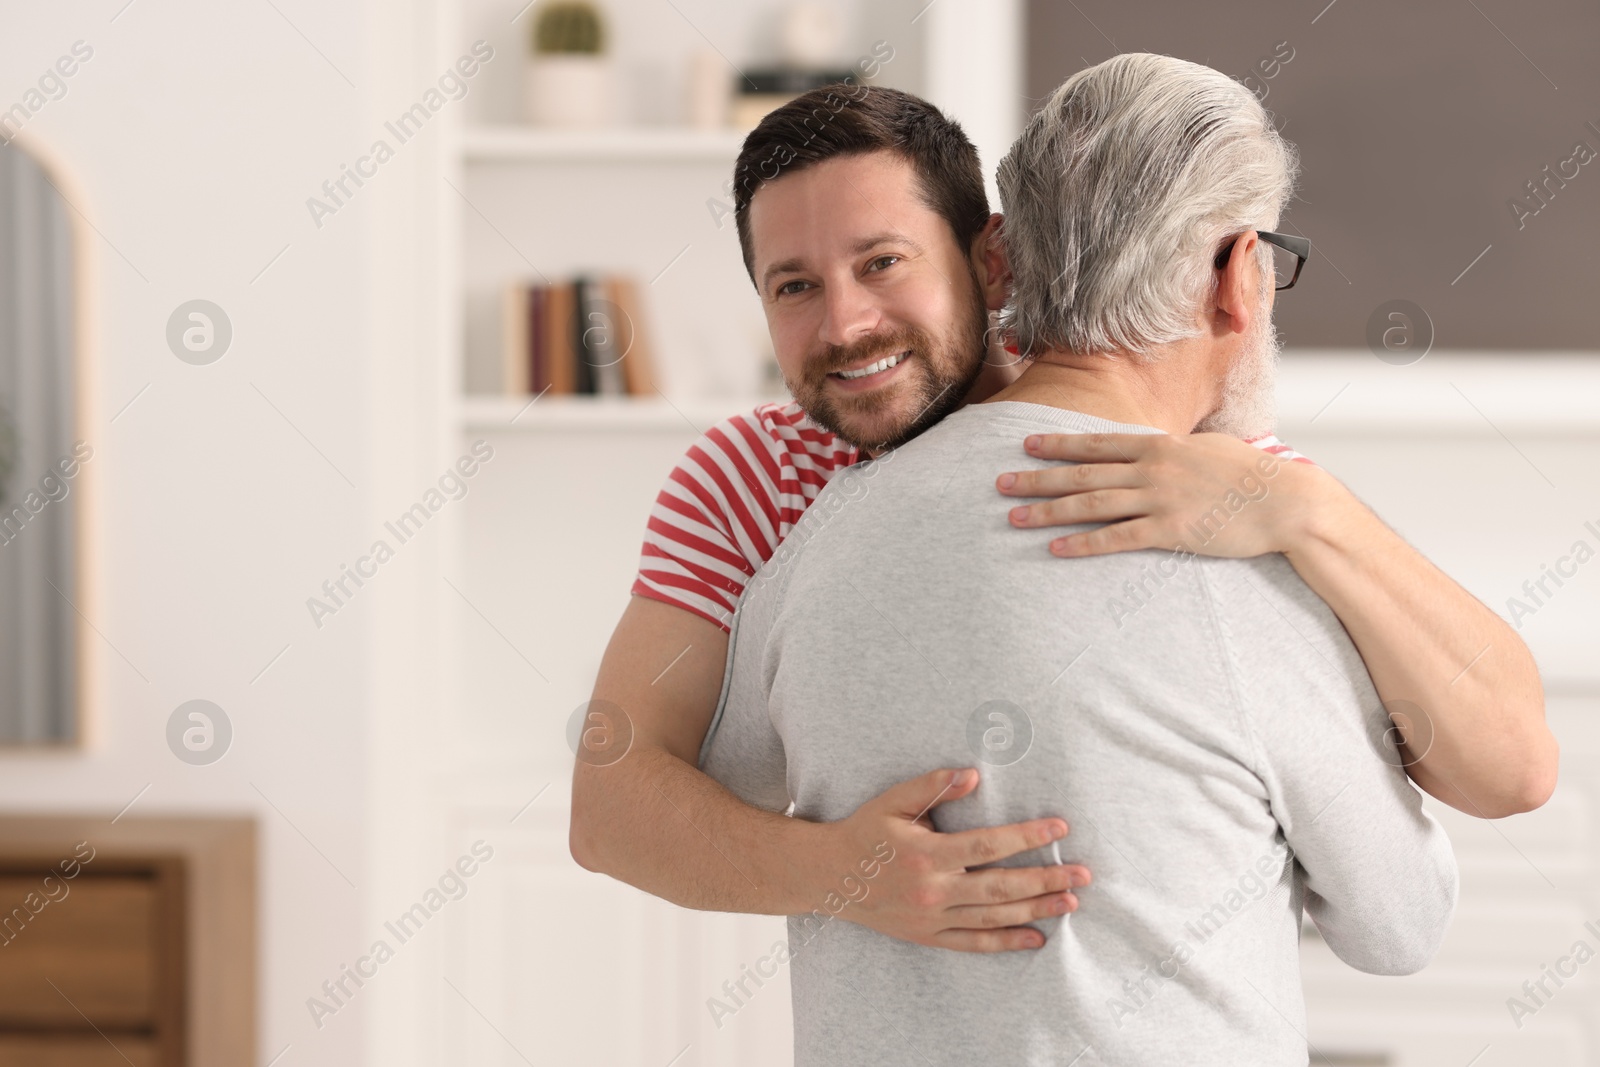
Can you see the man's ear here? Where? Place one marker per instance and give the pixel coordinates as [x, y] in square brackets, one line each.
[989, 260]
[1238, 284]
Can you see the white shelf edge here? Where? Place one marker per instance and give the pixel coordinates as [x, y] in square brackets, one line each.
[1319, 391]
[1455, 393]
[485, 144]
[516, 414]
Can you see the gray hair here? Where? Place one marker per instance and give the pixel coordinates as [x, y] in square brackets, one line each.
[1119, 194]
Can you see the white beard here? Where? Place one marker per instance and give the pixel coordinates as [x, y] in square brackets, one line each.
[1249, 404]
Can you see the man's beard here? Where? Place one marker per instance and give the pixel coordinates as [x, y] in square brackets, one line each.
[1249, 403]
[938, 374]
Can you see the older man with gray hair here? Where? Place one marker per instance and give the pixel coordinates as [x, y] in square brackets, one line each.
[1204, 724]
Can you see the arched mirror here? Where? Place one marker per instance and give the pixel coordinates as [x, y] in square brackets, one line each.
[41, 459]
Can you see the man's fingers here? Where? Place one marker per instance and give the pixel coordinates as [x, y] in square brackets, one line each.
[1008, 885]
[1064, 481]
[992, 916]
[1095, 505]
[1118, 537]
[914, 797]
[1010, 939]
[977, 848]
[1091, 447]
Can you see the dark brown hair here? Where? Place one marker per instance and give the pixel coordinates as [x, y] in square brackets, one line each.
[846, 120]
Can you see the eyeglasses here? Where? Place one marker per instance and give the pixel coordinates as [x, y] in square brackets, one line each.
[1288, 256]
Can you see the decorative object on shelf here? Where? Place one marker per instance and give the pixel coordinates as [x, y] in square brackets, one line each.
[570, 80]
[810, 35]
[809, 46]
[584, 337]
[763, 91]
[710, 90]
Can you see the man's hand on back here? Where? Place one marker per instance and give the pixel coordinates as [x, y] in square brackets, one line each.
[650, 819]
[923, 891]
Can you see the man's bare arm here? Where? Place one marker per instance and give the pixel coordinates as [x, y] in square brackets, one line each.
[654, 820]
[1461, 685]
[1476, 738]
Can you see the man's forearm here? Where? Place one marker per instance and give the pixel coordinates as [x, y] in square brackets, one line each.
[657, 823]
[1481, 745]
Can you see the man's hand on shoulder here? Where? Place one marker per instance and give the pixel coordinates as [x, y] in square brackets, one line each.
[1205, 493]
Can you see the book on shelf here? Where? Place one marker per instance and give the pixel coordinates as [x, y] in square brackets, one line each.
[584, 337]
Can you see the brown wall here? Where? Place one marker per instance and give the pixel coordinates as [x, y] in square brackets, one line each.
[1416, 121]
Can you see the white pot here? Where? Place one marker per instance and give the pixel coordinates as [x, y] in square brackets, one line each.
[571, 92]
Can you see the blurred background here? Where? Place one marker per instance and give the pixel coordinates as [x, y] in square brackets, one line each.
[282, 281]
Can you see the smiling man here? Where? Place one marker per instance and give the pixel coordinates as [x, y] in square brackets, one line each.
[865, 228]
[924, 309]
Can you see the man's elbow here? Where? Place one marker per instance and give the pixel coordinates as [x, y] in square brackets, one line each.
[1413, 943]
[1399, 925]
[1406, 955]
[582, 840]
[1528, 786]
[1401, 950]
[1539, 781]
[1530, 796]
[1532, 779]
[578, 844]
[1416, 940]
[1392, 951]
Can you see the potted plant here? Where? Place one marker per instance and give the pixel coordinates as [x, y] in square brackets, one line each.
[570, 82]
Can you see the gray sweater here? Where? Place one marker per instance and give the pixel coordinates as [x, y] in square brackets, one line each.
[1205, 726]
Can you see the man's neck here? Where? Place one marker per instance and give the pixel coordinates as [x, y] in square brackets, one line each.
[993, 378]
[1164, 392]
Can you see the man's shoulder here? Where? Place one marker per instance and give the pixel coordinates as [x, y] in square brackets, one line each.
[1256, 582]
[1262, 603]
[783, 430]
[731, 500]
[1270, 571]
[768, 461]
[1272, 444]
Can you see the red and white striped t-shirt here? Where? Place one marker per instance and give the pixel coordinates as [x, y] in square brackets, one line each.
[735, 496]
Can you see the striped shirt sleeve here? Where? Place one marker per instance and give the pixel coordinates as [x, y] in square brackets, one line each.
[702, 533]
[1273, 444]
[729, 503]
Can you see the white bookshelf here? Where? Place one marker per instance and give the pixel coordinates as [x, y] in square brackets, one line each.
[634, 199]
[537, 203]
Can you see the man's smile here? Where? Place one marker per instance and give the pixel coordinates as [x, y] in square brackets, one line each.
[870, 375]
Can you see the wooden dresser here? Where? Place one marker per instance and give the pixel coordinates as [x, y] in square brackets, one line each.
[126, 943]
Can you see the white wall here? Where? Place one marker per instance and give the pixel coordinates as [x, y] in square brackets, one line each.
[1486, 465]
[974, 73]
[190, 142]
